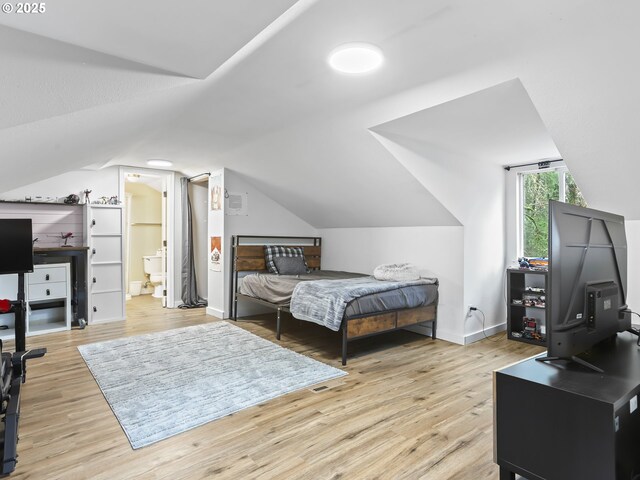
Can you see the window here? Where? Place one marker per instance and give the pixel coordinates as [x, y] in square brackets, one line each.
[536, 189]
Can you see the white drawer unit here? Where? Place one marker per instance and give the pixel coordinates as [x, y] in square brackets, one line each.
[106, 306]
[106, 220]
[106, 249]
[47, 274]
[48, 291]
[106, 272]
[48, 295]
[106, 278]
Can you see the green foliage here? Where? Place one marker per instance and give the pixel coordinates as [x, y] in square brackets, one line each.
[539, 188]
[574, 196]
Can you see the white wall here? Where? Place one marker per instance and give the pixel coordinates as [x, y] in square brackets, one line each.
[436, 251]
[633, 267]
[103, 182]
[265, 217]
[475, 195]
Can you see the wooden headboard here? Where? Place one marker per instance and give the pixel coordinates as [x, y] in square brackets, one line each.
[247, 255]
[250, 258]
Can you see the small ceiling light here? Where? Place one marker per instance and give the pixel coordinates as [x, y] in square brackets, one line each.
[356, 58]
[159, 163]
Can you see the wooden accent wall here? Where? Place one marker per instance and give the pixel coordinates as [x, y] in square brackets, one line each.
[49, 221]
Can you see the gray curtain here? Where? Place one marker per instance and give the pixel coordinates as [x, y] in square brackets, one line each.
[190, 296]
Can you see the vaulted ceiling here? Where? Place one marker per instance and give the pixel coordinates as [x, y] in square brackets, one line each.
[245, 85]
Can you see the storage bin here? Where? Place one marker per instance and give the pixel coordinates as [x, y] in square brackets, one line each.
[135, 288]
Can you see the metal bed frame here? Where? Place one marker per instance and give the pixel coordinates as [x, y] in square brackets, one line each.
[249, 257]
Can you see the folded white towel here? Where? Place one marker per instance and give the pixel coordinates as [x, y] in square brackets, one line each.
[396, 272]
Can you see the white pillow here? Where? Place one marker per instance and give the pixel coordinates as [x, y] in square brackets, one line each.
[396, 272]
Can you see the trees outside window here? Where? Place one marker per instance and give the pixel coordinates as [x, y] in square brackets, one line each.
[537, 188]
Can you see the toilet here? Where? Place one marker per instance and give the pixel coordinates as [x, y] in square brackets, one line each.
[153, 267]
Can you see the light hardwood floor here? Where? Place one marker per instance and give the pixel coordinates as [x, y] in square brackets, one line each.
[410, 408]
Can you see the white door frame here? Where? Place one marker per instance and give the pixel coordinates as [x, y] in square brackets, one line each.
[169, 178]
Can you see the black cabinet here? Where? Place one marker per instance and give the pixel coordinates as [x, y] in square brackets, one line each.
[527, 306]
[563, 421]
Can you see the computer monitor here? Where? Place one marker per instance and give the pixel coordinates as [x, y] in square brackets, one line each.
[587, 280]
[16, 246]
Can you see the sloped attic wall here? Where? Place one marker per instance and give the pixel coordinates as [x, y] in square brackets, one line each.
[456, 150]
[264, 217]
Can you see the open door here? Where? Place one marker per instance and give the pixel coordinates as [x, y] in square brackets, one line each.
[164, 242]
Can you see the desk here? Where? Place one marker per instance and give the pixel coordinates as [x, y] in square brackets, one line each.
[563, 421]
[77, 257]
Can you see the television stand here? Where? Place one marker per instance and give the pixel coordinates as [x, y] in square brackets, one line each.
[567, 423]
[573, 358]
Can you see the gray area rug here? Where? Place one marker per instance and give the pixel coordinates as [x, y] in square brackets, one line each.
[162, 384]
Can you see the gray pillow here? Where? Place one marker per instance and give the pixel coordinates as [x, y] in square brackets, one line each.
[290, 265]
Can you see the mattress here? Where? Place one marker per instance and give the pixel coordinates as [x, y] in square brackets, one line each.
[277, 289]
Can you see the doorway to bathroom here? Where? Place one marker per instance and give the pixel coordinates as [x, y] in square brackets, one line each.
[145, 231]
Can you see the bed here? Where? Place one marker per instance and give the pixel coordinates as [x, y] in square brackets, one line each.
[367, 307]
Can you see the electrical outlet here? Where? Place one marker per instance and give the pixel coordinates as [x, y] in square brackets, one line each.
[471, 308]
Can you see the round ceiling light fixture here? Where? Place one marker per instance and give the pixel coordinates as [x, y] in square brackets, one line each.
[356, 58]
[159, 163]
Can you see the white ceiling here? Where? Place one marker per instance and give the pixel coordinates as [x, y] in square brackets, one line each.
[90, 85]
[495, 126]
[192, 37]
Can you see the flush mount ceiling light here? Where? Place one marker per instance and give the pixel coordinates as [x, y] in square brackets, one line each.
[159, 163]
[356, 58]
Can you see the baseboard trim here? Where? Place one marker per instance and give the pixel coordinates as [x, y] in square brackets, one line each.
[449, 336]
[107, 320]
[479, 335]
[214, 312]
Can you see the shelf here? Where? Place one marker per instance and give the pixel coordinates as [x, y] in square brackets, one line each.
[136, 224]
[531, 341]
[524, 270]
[59, 204]
[527, 306]
[517, 285]
[8, 334]
[46, 327]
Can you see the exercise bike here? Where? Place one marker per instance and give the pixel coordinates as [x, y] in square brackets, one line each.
[13, 373]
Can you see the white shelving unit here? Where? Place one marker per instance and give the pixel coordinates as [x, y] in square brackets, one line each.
[48, 297]
[106, 272]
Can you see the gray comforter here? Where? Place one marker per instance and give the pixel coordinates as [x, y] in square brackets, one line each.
[279, 288]
[324, 301]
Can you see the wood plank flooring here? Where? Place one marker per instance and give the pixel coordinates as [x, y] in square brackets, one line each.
[410, 408]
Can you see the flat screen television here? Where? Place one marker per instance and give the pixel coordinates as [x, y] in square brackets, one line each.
[16, 246]
[587, 280]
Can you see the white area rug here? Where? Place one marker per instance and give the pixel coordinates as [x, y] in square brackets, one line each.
[162, 384]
